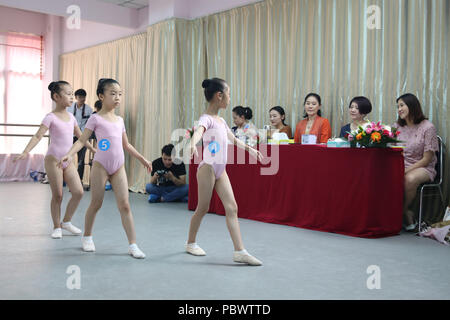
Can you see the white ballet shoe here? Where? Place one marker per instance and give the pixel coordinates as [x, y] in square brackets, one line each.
[71, 228]
[135, 252]
[246, 258]
[88, 245]
[194, 249]
[57, 233]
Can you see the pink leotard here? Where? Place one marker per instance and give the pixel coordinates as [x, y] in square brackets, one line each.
[109, 142]
[215, 143]
[61, 135]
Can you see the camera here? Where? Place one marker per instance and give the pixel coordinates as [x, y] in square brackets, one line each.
[161, 172]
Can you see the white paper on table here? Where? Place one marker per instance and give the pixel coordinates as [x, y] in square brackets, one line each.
[309, 139]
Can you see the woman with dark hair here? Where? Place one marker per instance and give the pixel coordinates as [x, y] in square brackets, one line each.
[358, 109]
[211, 174]
[420, 137]
[244, 129]
[313, 124]
[277, 122]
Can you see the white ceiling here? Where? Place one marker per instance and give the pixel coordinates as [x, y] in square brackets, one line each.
[136, 4]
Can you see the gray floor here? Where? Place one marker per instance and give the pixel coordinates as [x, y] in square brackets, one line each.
[298, 263]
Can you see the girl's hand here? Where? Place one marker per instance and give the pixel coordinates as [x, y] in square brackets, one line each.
[192, 151]
[255, 153]
[21, 156]
[66, 158]
[147, 165]
[93, 150]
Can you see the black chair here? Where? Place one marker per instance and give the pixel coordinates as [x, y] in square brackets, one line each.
[437, 183]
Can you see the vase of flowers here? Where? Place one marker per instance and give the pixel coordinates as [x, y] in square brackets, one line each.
[373, 135]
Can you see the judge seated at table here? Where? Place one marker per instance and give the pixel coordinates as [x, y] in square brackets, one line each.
[277, 122]
[358, 109]
[421, 141]
[313, 124]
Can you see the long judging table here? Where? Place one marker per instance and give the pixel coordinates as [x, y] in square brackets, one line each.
[355, 192]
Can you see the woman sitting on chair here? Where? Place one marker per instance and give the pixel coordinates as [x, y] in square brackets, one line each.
[420, 137]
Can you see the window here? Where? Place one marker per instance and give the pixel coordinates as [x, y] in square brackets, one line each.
[21, 99]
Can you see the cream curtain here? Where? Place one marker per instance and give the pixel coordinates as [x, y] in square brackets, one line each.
[274, 53]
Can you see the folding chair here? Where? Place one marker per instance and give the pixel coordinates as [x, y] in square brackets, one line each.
[437, 183]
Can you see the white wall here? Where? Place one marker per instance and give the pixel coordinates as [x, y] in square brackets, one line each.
[101, 22]
[22, 21]
[201, 8]
[160, 10]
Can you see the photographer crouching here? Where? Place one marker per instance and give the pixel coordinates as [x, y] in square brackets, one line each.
[168, 182]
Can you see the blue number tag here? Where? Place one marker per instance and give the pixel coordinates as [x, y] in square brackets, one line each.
[104, 144]
[214, 147]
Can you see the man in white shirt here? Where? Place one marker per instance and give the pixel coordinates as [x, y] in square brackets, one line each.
[81, 112]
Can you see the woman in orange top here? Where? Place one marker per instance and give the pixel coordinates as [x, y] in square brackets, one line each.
[313, 123]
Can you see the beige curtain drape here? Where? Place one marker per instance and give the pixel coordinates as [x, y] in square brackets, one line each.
[274, 53]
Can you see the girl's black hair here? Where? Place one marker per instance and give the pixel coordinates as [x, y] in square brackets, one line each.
[364, 104]
[102, 83]
[98, 105]
[415, 110]
[56, 87]
[212, 86]
[245, 112]
[280, 110]
[315, 95]
[81, 93]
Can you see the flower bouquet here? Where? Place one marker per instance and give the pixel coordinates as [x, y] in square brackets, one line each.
[373, 135]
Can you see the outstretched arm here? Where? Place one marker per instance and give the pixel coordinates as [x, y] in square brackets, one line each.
[32, 143]
[132, 151]
[194, 140]
[257, 154]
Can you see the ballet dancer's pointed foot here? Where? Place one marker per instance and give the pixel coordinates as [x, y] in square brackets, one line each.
[57, 233]
[88, 244]
[244, 257]
[194, 249]
[71, 228]
[135, 252]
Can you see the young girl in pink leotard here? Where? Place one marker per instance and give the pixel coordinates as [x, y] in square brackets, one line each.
[211, 172]
[62, 126]
[108, 163]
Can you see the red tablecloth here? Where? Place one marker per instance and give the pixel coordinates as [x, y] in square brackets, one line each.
[356, 192]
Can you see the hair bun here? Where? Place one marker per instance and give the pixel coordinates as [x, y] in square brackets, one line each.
[52, 85]
[205, 83]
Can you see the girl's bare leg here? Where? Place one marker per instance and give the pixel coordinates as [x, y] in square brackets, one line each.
[119, 183]
[206, 181]
[225, 193]
[55, 178]
[98, 181]
[73, 182]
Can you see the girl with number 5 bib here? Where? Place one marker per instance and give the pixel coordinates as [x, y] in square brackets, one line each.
[108, 163]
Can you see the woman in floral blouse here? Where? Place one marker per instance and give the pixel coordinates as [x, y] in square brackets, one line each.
[420, 138]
